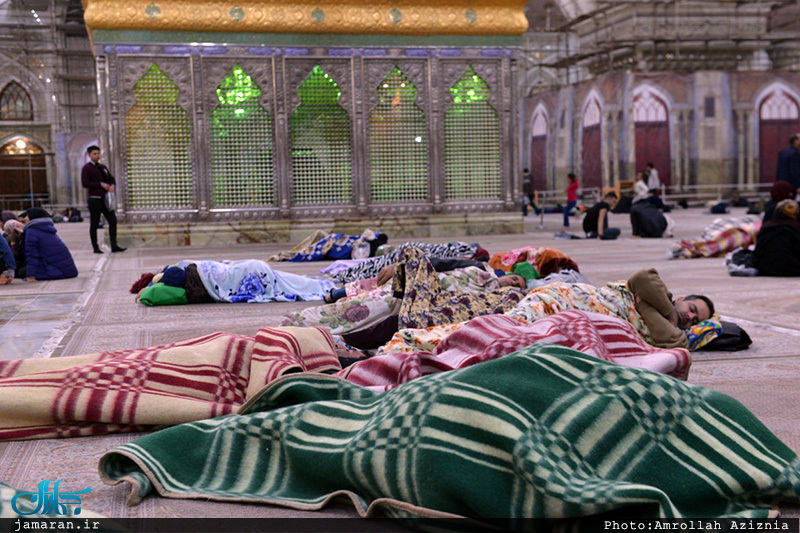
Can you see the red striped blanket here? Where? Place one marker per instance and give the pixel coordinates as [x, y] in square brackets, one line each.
[492, 336]
[135, 390]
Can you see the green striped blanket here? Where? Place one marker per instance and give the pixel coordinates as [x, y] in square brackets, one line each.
[544, 432]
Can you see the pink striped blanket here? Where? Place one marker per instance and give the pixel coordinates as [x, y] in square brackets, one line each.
[491, 336]
[141, 389]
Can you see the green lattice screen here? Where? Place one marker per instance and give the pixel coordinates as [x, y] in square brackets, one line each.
[398, 143]
[472, 141]
[158, 134]
[241, 144]
[320, 143]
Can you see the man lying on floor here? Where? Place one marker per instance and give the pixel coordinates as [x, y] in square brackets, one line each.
[248, 280]
[644, 301]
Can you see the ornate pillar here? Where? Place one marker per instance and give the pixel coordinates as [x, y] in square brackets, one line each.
[615, 166]
[677, 157]
[604, 177]
[687, 155]
[751, 149]
[283, 142]
[740, 133]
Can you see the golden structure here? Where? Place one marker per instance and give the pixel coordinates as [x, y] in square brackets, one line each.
[420, 17]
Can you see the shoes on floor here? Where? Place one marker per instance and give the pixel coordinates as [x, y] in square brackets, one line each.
[98, 251]
[118, 249]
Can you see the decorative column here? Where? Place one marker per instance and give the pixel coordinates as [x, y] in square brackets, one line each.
[752, 174]
[615, 162]
[687, 154]
[604, 178]
[677, 142]
[740, 133]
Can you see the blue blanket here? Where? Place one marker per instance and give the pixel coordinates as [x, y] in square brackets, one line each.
[252, 280]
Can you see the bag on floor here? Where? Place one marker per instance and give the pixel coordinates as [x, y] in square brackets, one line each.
[732, 339]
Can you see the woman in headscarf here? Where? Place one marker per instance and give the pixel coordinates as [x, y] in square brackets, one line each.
[780, 191]
[777, 250]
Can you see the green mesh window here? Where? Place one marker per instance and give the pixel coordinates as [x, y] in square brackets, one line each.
[398, 143]
[158, 134]
[320, 143]
[472, 141]
[241, 144]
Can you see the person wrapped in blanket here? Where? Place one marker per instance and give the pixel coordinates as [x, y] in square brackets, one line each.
[418, 291]
[644, 301]
[249, 280]
[777, 249]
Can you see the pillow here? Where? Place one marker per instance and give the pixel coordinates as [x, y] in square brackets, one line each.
[160, 294]
[703, 332]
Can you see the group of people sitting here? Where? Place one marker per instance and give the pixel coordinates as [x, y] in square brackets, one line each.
[31, 249]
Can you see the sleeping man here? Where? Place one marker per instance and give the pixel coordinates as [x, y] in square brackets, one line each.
[644, 301]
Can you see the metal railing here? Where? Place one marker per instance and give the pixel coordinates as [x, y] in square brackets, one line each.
[20, 202]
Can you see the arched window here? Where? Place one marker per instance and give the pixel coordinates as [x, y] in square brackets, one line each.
[15, 104]
[779, 106]
[649, 108]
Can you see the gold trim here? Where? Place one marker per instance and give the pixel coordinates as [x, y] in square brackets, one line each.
[432, 17]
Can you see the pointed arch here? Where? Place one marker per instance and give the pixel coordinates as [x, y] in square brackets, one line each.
[23, 171]
[539, 130]
[15, 103]
[472, 141]
[241, 144]
[398, 142]
[651, 118]
[158, 135]
[777, 116]
[321, 143]
[592, 141]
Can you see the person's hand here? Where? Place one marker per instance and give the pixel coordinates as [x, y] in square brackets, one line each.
[385, 274]
[110, 188]
[104, 185]
[30, 279]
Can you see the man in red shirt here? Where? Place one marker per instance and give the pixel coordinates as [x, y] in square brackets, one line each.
[572, 197]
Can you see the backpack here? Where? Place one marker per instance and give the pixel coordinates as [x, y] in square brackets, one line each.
[732, 339]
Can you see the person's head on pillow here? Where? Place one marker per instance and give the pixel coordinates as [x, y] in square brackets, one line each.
[693, 309]
[513, 280]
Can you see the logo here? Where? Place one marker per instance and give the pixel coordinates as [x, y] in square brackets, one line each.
[47, 502]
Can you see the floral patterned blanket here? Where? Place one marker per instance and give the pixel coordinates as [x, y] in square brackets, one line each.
[252, 280]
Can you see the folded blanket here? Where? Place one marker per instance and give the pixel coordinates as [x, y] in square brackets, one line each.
[723, 235]
[544, 432]
[492, 336]
[135, 390]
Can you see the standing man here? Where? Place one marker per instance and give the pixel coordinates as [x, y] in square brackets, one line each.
[789, 162]
[99, 181]
[653, 181]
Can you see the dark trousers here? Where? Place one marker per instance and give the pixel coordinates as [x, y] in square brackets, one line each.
[97, 207]
[570, 207]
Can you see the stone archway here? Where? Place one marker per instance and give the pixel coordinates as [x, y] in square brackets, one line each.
[651, 122]
[539, 150]
[591, 169]
[778, 119]
[23, 174]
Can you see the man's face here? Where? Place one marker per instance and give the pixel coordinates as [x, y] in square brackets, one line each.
[513, 280]
[94, 155]
[690, 312]
[612, 202]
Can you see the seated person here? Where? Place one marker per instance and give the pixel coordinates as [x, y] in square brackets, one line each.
[640, 188]
[13, 231]
[46, 255]
[7, 262]
[779, 192]
[655, 199]
[595, 223]
[647, 221]
[777, 250]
